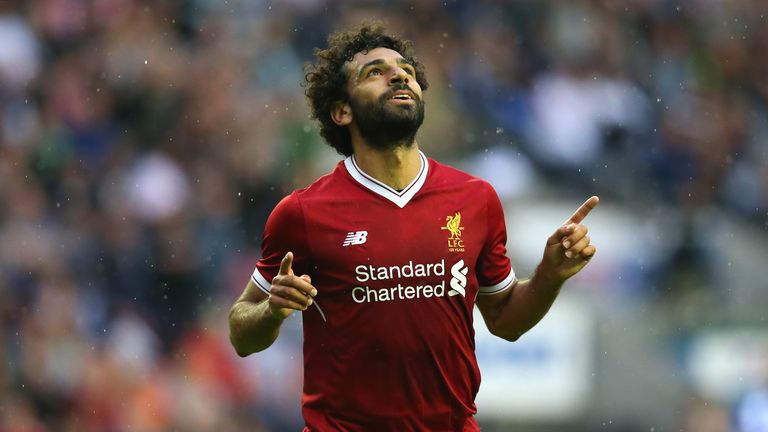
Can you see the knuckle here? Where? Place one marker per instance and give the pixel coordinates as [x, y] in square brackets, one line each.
[288, 293]
[278, 288]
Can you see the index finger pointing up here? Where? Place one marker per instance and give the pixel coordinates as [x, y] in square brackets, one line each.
[584, 210]
[285, 264]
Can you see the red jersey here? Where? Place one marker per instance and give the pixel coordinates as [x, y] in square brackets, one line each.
[389, 341]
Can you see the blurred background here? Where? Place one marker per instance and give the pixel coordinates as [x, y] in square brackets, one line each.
[143, 144]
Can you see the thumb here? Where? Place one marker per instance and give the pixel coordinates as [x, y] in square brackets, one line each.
[285, 265]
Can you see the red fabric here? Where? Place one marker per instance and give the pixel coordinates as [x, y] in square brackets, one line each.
[405, 362]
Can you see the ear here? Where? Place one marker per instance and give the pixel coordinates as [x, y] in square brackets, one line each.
[341, 113]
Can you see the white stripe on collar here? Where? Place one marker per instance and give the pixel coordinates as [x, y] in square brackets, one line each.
[399, 198]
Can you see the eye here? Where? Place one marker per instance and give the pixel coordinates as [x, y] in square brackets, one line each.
[374, 72]
[409, 70]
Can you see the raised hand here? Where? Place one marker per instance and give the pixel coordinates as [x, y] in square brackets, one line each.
[569, 249]
[290, 292]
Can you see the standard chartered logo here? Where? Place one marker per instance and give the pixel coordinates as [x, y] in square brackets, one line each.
[458, 279]
[403, 290]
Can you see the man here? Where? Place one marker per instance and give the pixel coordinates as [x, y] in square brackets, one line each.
[393, 251]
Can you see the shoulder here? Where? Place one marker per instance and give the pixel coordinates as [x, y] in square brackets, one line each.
[291, 212]
[447, 175]
[464, 186]
[286, 213]
[330, 185]
[323, 186]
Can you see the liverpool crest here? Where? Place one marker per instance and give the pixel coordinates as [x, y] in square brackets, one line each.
[453, 225]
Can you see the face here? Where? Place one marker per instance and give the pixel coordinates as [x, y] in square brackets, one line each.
[385, 99]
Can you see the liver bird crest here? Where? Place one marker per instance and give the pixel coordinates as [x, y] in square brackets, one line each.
[453, 224]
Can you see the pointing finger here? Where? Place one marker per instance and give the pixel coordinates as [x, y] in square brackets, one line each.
[584, 210]
[285, 264]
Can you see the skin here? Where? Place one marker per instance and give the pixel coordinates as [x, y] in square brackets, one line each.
[256, 317]
[513, 312]
[371, 75]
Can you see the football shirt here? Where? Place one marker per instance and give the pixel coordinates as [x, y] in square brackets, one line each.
[389, 341]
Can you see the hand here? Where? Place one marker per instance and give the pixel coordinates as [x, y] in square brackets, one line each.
[289, 292]
[568, 250]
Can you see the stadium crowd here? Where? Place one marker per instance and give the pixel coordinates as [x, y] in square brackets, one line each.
[143, 144]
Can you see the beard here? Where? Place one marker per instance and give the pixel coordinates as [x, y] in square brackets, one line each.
[386, 126]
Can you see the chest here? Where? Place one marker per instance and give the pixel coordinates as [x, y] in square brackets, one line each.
[371, 240]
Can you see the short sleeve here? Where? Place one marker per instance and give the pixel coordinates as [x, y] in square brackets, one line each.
[284, 232]
[494, 269]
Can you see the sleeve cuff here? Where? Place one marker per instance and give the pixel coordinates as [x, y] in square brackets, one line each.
[260, 281]
[504, 285]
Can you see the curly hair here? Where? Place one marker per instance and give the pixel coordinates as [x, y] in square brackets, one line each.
[326, 80]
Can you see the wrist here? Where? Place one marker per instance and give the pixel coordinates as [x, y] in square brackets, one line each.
[275, 315]
[547, 278]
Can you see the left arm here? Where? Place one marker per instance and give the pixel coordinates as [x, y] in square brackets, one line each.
[516, 310]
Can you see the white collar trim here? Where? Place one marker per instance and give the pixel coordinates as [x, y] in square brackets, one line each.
[399, 198]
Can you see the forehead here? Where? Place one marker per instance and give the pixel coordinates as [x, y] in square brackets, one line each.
[386, 54]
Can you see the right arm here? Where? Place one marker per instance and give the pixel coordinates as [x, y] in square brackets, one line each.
[256, 317]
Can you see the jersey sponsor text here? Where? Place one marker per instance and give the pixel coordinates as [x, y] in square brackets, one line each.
[366, 273]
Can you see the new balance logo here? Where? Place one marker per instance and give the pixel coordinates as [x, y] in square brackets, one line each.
[355, 238]
[458, 279]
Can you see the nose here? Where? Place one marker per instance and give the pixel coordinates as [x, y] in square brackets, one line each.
[399, 75]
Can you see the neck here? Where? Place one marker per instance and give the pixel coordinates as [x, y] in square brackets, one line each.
[395, 167]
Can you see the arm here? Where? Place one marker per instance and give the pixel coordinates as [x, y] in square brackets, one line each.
[516, 310]
[256, 317]
[252, 327]
[513, 312]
